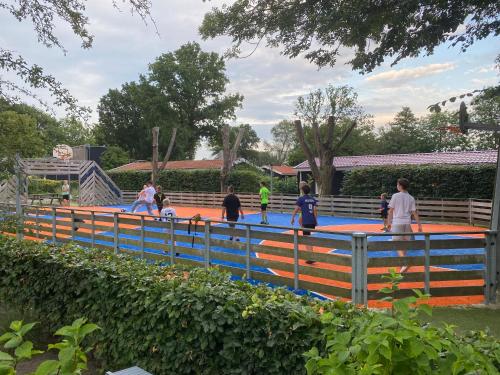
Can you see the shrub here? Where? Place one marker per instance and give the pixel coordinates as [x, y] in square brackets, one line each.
[425, 181]
[44, 186]
[164, 319]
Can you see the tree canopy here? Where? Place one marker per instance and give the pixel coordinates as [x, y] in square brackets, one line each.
[249, 141]
[46, 16]
[184, 89]
[374, 30]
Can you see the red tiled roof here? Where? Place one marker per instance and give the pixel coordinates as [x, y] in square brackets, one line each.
[283, 170]
[176, 164]
[455, 157]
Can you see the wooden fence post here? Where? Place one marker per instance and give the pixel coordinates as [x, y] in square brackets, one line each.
[116, 246]
[92, 233]
[54, 223]
[295, 258]
[427, 264]
[143, 235]
[247, 255]
[207, 243]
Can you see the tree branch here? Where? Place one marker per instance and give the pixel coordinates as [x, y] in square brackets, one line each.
[345, 136]
[307, 150]
[169, 150]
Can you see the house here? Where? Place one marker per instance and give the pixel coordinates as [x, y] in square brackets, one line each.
[280, 171]
[346, 163]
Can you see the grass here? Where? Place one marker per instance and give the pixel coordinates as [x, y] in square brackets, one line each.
[468, 318]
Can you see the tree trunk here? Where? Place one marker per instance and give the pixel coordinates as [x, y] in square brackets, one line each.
[154, 163]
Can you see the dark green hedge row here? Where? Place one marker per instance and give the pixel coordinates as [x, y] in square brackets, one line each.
[244, 180]
[425, 181]
[164, 319]
[41, 186]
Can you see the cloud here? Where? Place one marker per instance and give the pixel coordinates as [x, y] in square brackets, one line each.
[403, 75]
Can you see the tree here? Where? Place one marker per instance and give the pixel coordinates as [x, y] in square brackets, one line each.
[402, 135]
[284, 140]
[45, 15]
[373, 29]
[184, 89]
[486, 110]
[75, 132]
[249, 141]
[113, 157]
[229, 154]
[18, 134]
[331, 116]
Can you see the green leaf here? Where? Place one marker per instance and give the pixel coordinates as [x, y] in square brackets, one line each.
[13, 342]
[47, 368]
[26, 328]
[425, 309]
[24, 350]
[386, 290]
[7, 336]
[5, 357]
[88, 328]
[66, 355]
[16, 325]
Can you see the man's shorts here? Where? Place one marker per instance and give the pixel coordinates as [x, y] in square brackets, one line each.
[310, 226]
[263, 206]
[402, 228]
[232, 218]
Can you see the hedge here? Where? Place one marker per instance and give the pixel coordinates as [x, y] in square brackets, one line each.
[164, 319]
[425, 181]
[44, 186]
[244, 180]
[172, 320]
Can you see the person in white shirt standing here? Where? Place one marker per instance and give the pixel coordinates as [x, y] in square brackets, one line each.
[401, 209]
[146, 199]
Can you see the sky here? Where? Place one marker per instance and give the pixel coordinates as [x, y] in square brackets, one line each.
[270, 83]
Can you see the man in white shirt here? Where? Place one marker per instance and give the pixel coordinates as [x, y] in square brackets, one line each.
[146, 199]
[401, 209]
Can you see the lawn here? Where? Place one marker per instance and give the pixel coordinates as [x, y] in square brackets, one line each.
[469, 318]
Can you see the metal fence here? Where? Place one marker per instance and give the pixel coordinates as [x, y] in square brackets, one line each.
[444, 267]
[470, 211]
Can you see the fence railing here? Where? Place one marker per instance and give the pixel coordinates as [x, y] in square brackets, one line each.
[471, 211]
[346, 265]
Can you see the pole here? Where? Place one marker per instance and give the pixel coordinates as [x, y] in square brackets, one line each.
[19, 187]
[154, 169]
[495, 226]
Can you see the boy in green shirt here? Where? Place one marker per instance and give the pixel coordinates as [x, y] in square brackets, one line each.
[264, 201]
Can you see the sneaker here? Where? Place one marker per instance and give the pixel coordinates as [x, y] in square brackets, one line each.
[231, 238]
[403, 269]
[262, 222]
[310, 261]
[237, 240]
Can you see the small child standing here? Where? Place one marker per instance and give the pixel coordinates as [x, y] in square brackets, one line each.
[167, 212]
[384, 210]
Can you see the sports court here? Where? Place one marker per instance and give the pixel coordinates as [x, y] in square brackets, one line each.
[342, 226]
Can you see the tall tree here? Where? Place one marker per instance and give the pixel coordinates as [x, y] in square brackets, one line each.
[229, 154]
[323, 113]
[284, 140]
[18, 134]
[46, 15]
[486, 109]
[113, 157]
[248, 142]
[373, 29]
[184, 89]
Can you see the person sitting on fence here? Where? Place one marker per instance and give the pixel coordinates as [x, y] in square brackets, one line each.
[401, 208]
[65, 193]
[231, 208]
[307, 205]
[159, 197]
[384, 210]
[146, 197]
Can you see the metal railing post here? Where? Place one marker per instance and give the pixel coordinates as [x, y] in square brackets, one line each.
[427, 264]
[116, 246]
[247, 255]
[143, 235]
[37, 224]
[54, 219]
[490, 274]
[92, 230]
[359, 269]
[72, 225]
[295, 259]
[172, 241]
[207, 243]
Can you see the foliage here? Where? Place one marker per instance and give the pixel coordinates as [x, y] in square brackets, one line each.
[45, 15]
[46, 186]
[320, 30]
[167, 320]
[249, 141]
[284, 141]
[184, 89]
[425, 181]
[261, 158]
[113, 157]
[72, 359]
[329, 117]
[18, 134]
[394, 342]
[287, 185]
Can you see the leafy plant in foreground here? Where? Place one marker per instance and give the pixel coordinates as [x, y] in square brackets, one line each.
[394, 342]
[72, 359]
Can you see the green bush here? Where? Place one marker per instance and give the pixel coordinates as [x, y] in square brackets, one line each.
[44, 186]
[425, 181]
[164, 319]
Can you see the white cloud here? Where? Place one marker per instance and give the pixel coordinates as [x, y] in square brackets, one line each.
[408, 74]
